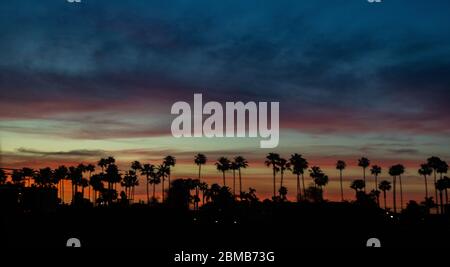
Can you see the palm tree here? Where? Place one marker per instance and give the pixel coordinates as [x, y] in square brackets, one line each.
[375, 171]
[147, 170]
[384, 186]
[129, 181]
[223, 165]
[199, 160]
[441, 186]
[102, 163]
[97, 184]
[341, 165]
[170, 162]
[320, 179]
[136, 166]
[27, 174]
[17, 177]
[233, 168]
[442, 168]
[155, 179]
[75, 175]
[296, 161]
[203, 187]
[82, 169]
[358, 185]
[241, 163]
[90, 168]
[283, 165]
[364, 163]
[163, 172]
[272, 161]
[61, 174]
[447, 186]
[434, 163]
[395, 171]
[400, 171]
[425, 170]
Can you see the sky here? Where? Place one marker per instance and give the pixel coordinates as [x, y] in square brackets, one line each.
[83, 81]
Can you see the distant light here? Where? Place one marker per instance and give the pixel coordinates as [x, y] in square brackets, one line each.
[216, 221]
[392, 216]
[235, 222]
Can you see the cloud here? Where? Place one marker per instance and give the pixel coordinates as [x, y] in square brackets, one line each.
[71, 153]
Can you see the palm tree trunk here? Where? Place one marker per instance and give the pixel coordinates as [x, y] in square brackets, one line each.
[154, 191]
[342, 188]
[169, 183]
[395, 194]
[376, 189]
[234, 183]
[441, 199]
[240, 183]
[401, 192]
[274, 185]
[162, 197]
[435, 192]
[303, 184]
[224, 182]
[364, 177]
[298, 187]
[385, 205]
[426, 187]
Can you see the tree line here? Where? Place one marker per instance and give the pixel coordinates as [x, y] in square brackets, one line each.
[99, 182]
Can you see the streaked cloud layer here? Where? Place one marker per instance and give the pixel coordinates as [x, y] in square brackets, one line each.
[80, 81]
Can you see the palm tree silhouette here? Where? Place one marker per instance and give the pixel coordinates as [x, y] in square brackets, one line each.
[395, 171]
[283, 165]
[233, 168]
[375, 171]
[320, 179]
[441, 169]
[27, 174]
[203, 187]
[17, 177]
[364, 163]
[97, 184]
[223, 165]
[136, 166]
[241, 163]
[441, 186]
[447, 186]
[163, 172]
[272, 161]
[90, 168]
[358, 185]
[199, 160]
[384, 186]
[341, 165]
[155, 179]
[425, 170]
[61, 174]
[170, 162]
[400, 171]
[128, 182]
[434, 163]
[75, 175]
[82, 168]
[147, 170]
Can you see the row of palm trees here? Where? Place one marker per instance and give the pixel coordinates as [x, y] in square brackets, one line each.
[157, 174]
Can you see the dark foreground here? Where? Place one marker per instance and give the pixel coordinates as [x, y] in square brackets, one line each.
[266, 227]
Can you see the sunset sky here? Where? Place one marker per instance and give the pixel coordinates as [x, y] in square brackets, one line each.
[83, 81]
